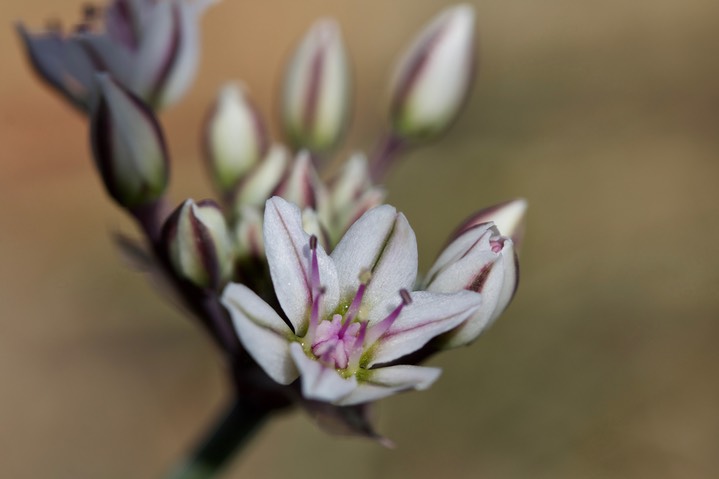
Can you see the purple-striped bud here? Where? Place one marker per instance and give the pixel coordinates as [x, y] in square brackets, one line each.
[128, 146]
[316, 89]
[150, 47]
[303, 186]
[432, 80]
[198, 244]
[480, 260]
[235, 137]
[351, 194]
[508, 217]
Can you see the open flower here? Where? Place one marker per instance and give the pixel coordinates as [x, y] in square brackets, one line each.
[348, 314]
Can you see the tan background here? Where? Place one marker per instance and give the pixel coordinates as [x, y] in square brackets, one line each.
[603, 114]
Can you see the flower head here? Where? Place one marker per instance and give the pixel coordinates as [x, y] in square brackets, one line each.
[347, 315]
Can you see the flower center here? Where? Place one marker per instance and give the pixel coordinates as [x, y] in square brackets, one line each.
[334, 342]
[339, 342]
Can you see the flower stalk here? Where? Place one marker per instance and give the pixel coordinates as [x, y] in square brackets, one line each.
[224, 440]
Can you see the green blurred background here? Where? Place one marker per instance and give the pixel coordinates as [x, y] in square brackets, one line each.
[603, 114]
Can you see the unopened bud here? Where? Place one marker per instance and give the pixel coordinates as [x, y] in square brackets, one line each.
[313, 226]
[508, 217]
[433, 77]
[128, 146]
[303, 186]
[198, 244]
[479, 260]
[235, 137]
[316, 89]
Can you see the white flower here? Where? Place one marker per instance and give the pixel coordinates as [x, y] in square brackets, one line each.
[349, 314]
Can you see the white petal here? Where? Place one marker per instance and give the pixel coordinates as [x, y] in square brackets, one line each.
[384, 382]
[382, 242]
[262, 332]
[477, 237]
[288, 254]
[160, 28]
[429, 315]
[497, 292]
[318, 381]
[186, 56]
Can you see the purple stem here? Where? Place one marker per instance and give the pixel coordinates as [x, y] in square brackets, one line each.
[388, 149]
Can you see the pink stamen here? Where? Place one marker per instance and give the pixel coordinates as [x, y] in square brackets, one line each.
[358, 347]
[353, 309]
[314, 317]
[315, 268]
[379, 329]
[496, 245]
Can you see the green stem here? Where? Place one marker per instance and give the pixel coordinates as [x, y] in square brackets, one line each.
[226, 438]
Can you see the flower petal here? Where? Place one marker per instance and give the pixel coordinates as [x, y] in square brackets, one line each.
[318, 381]
[498, 288]
[476, 238]
[61, 64]
[262, 332]
[384, 382]
[289, 257]
[508, 217]
[429, 315]
[382, 242]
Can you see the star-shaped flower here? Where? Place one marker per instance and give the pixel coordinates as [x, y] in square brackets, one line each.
[349, 316]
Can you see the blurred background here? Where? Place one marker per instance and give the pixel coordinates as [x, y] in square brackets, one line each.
[603, 115]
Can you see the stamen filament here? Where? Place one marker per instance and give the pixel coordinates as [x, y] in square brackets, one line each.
[379, 329]
[354, 308]
[357, 348]
[314, 268]
[314, 319]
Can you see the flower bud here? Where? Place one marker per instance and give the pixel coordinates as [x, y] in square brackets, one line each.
[351, 195]
[479, 260]
[431, 82]
[128, 146]
[235, 137]
[198, 244]
[152, 47]
[258, 185]
[303, 186]
[312, 225]
[316, 89]
[508, 217]
[248, 233]
[149, 47]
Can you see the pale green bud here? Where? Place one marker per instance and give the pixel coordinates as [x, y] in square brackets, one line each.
[432, 80]
[198, 244]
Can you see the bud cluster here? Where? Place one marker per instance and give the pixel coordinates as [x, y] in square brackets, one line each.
[291, 242]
